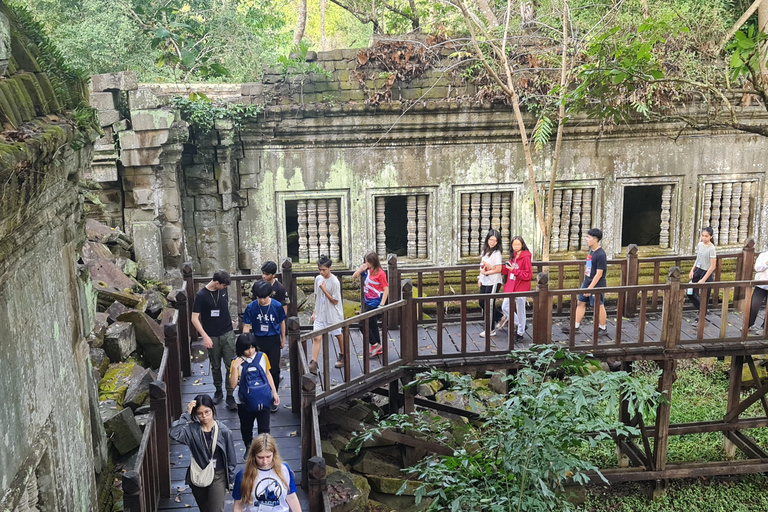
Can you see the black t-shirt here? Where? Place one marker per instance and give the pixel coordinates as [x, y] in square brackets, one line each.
[209, 304]
[218, 454]
[596, 260]
[278, 292]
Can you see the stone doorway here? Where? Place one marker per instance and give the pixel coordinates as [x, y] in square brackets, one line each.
[642, 215]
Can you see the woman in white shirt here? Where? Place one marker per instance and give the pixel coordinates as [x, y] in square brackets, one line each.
[490, 278]
[761, 291]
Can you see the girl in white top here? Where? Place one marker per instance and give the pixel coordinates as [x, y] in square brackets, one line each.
[761, 291]
[490, 278]
[703, 268]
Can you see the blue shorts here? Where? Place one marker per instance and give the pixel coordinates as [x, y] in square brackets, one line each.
[591, 298]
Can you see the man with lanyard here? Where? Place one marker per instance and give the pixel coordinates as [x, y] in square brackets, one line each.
[210, 316]
[594, 277]
[268, 273]
[265, 317]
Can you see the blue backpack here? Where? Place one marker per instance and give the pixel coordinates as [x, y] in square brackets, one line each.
[255, 392]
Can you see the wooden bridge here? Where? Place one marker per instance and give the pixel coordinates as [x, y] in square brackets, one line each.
[647, 321]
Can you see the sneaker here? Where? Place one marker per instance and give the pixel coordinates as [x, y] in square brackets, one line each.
[376, 350]
[218, 396]
[231, 405]
[603, 332]
[567, 329]
[482, 334]
[313, 367]
[519, 338]
[339, 361]
[273, 408]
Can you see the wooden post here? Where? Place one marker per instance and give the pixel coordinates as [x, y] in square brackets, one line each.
[747, 264]
[394, 402]
[294, 333]
[409, 406]
[308, 394]
[189, 284]
[672, 310]
[289, 282]
[409, 346]
[178, 300]
[633, 273]
[131, 481]
[316, 472]
[173, 367]
[158, 404]
[393, 277]
[542, 316]
[662, 423]
[623, 459]
[734, 397]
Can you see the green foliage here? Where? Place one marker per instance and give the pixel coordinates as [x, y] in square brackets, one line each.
[523, 449]
[201, 113]
[745, 52]
[295, 63]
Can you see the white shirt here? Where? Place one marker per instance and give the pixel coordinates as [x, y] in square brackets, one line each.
[491, 261]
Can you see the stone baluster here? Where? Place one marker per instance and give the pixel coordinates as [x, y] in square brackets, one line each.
[733, 237]
[421, 223]
[485, 214]
[301, 212]
[322, 226]
[725, 214]
[506, 217]
[746, 200]
[312, 229]
[574, 242]
[381, 227]
[586, 216]
[476, 242]
[464, 225]
[411, 226]
[706, 215]
[496, 212]
[717, 193]
[333, 229]
[565, 219]
[557, 201]
[666, 214]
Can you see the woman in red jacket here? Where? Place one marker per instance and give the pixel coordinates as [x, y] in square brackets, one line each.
[520, 272]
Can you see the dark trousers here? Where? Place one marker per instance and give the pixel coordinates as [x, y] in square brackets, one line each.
[270, 345]
[247, 417]
[694, 297]
[496, 313]
[373, 326]
[211, 498]
[758, 297]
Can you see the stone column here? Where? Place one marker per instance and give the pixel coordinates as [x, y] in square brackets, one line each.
[574, 243]
[496, 212]
[464, 225]
[725, 214]
[476, 242]
[421, 216]
[586, 216]
[717, 193]
[706, 215]
[333, 230]
[666, 204]
[381, 227]
[322, 226]
[301, 213]
[735, 213]
[746, 200]
[485, 214]
[312, 230]
[557, 203]
[565, 219]
[411, 226]
[506, 231]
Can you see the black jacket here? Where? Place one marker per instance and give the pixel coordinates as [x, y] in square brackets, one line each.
[187, 431]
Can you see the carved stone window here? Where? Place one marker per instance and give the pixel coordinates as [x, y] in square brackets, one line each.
[481, 211]
[727, 208]
[402, 225]
[572, 214]
[646, 215]
[313, 229]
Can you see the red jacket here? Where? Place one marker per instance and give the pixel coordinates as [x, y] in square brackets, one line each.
[523, 273]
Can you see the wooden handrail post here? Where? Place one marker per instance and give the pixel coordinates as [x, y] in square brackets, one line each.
[672, 310]
[294, 333]
[633, 275]
[158, 404]
[173, 368]
[178, 300]
[289, 282]
[408, 343]
[747, 263]
[661, 440]
[393, 277]
[189, 284]
[316, 472]
[308, 396]
[131, 481]
[542, 319]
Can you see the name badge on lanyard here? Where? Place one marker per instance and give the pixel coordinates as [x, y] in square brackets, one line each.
[264, 328]
[215, 312]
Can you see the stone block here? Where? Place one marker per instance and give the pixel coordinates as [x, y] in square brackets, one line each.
[120, 81]
[106, 272]
[123, 431]
[140, 157]
[207, 203]
[130, 139]
[390, 485]
[100, 324]
[119, 341]
[127, 266]
[108, 117]
[103, 173]
[149, 336]
[147, 245]
[155, 303]
[152, 119]
[371, 463]
[138, 390]
[347, 491]
[142, 99]
[98, 434]
[120, 125]
[99, 361]
[252, 89]
[104, 100]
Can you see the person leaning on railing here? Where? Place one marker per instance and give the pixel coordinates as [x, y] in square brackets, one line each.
[761, 291]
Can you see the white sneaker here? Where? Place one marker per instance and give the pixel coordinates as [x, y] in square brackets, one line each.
[482, 334]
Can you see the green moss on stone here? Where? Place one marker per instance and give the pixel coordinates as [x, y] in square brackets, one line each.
[20, 48]
[10, 96]
[23, 101]
[6, 112]
[29, 81]
[115, 382]
[51, 101]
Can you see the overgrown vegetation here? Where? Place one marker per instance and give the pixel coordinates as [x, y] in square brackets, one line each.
[202, 113]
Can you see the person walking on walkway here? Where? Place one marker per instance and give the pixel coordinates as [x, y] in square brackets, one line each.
[210, 316]
[251, 379]
[329, 310]
[703, 267]
[490, 278]
[266, 482]
[594, 277]
[375, 293]
[269, 274]
[520, 272]
[265, 317]
[761, 291]
[212, 450]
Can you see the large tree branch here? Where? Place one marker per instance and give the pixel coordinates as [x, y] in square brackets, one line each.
[364, 18]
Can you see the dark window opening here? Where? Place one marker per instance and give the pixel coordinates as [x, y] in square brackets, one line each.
[292, 230]
[396, 221]
[642, 216]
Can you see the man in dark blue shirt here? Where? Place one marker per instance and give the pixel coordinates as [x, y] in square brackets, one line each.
[594, 277]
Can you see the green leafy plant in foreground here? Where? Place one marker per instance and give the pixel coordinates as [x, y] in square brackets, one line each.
[520, 453]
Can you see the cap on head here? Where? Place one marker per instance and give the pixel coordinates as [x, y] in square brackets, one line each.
[261, 289]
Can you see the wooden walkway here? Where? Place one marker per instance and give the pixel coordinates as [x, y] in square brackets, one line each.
[284, 425]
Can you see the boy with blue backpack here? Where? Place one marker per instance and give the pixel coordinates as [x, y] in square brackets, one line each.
[255, 390]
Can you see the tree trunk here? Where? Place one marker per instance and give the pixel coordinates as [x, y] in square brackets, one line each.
[323, 40]
[762, 23]
[488, 14]
[301, 23]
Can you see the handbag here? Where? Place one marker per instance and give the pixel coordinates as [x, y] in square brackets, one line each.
[204, 477]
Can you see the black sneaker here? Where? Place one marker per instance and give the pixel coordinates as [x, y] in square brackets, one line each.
[603, 332]
[519, 338]
[273, 408]
[218, 396]
[313, 367]
[567, 329]
[231, 405]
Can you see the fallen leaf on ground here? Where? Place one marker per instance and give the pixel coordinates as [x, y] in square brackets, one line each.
[294, 433]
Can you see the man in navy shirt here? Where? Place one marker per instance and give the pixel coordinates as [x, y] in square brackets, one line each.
[594, 277]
